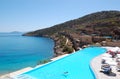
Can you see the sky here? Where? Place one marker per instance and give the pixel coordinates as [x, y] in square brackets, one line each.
[31, 15]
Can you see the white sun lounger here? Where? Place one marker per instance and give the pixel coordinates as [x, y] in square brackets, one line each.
[118, 55]
[107, 55]
[111, 63]
[107, 59]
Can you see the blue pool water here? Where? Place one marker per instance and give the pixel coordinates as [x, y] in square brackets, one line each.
[17, 52]
[74, 66]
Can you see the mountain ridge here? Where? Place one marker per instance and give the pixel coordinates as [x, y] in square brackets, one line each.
[79, 32]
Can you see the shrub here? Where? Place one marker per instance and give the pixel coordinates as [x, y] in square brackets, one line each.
[43, 61]
[68, 49]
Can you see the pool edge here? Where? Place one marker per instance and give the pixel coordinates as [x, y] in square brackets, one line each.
[92, 69]
[91, 66]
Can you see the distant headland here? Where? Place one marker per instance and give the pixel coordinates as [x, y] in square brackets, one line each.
[100, 28]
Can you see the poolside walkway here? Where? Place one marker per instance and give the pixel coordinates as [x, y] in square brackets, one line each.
[61, 56]
[96, 66]
[8, 76]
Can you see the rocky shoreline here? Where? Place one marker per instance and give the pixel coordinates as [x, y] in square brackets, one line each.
[76, 44]
[66, 43]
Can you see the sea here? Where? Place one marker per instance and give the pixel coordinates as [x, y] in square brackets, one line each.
[18, 52]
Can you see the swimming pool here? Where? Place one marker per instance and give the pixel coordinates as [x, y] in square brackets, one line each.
[74, 66]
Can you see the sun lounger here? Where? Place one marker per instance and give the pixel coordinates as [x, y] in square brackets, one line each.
[107, 58]
[107, 55]
[106, 68]
[118, 66]
[104, 59]
[118, 55]
[111, 63]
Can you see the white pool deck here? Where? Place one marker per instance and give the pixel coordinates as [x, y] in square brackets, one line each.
[7, 76]
[96, 67]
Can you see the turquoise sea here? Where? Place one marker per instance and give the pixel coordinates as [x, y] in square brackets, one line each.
[17, 51]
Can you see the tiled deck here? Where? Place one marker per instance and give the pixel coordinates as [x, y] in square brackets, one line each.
[96, 66]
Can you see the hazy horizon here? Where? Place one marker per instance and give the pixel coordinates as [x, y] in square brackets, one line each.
[31, 15]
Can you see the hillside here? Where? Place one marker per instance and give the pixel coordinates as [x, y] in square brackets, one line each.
[89, 29]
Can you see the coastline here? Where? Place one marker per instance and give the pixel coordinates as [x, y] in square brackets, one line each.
[95, 66]
[24, 52]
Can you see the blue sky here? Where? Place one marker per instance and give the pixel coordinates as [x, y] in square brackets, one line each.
[30, 15]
